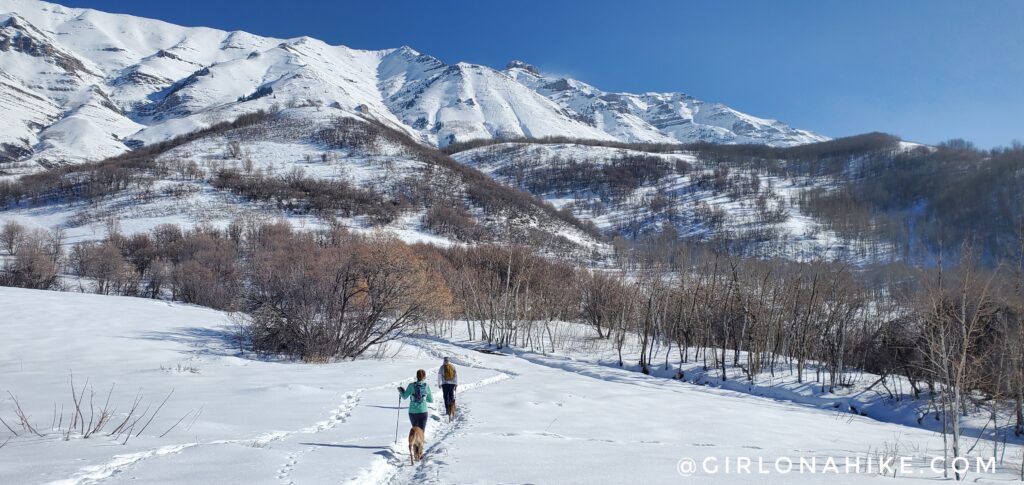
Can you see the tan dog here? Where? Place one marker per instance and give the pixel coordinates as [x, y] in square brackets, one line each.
[415, 444]
[451, 412]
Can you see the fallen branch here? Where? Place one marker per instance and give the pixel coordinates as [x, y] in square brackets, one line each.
[9, 428]
[127, 418]
[105, 415]
[25, 424]
[176, 424]
[194, 418]
[155, 413]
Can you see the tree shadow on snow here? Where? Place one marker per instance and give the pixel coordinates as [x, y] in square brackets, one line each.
[202, 340]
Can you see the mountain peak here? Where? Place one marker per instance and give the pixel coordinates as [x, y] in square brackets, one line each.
[409, 51]
[12, 20]
[517, 64]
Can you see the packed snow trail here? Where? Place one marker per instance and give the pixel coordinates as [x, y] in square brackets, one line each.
[311, 453]
[393, 466]
[523, 418]
[122, 463]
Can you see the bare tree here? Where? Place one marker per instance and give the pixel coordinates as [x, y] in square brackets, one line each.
[11, 235]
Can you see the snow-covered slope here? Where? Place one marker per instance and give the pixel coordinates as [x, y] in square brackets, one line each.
[80, 84]
[522, 418]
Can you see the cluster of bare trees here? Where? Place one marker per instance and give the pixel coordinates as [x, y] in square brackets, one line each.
[753, 315]
[509, 294]
[612, 180]
[455, 222]
[34, 257]
[199, 266]
[809, 155]
[314, 295]
[970, 332]
[300, 194]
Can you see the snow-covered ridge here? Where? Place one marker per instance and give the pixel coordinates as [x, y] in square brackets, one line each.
[658, 117]
[78, 84]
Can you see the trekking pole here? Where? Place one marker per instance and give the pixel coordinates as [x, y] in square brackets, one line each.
[398, 417]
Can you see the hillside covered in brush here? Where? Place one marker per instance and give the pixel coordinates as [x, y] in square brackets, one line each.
[299, 164]
[867, 198]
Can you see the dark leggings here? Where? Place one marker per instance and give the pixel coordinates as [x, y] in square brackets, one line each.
[449, 395]
[418, 420]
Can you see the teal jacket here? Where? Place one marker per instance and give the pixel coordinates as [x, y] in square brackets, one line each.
[418, 407]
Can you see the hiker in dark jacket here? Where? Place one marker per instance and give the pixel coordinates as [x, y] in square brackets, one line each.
[419, 395]
[448, 379]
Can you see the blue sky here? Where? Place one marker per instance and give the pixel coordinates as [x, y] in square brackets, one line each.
[927, 70]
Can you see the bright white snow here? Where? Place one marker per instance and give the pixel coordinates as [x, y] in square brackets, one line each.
[523, 418]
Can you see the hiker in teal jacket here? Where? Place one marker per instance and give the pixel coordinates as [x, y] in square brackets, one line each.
[419, 396]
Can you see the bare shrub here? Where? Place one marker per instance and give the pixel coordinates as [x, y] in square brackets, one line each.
[453, 221]
[87, 415]
[233, 150]
[337, 301]
[36, 264]
[192, 282]
[206, 270]
[11, 235]
[103, 263]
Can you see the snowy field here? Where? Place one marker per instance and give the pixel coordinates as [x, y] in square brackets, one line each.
[523, 419]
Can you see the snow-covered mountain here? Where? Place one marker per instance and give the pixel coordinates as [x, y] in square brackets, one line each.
[78, 84]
